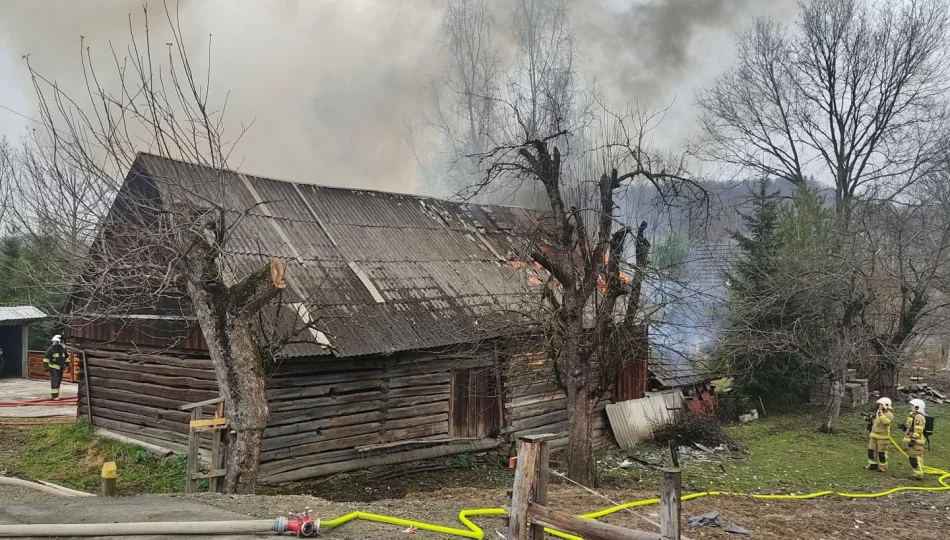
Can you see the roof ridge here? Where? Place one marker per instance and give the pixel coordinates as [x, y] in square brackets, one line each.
[325, 186]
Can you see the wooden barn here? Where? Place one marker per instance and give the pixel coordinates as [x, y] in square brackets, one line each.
[410, 298]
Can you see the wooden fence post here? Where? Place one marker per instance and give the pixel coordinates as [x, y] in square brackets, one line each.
[525, 473]
[670, 491]
[540, 493]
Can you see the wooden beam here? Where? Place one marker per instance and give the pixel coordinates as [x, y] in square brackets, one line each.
[670, 490]
[535, 531]
[190, 406]
[213, 474]
[192, 454]
[210, 422]
[525, 473]
[583, 527]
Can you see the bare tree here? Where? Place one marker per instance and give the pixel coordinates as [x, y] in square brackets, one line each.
[462, 100]
[591, 313]
[161, 240]
[854, 95]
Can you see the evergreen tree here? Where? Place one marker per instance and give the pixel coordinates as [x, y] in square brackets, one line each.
[761, 313]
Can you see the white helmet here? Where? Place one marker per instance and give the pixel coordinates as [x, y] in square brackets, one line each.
[885, 401]
[57, 339]
[918, 404]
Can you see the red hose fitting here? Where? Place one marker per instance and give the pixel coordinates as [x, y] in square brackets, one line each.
[301, 525]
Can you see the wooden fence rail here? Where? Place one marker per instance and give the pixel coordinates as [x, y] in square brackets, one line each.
[528, 515]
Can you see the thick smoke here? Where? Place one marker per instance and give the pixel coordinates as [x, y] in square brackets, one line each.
[331, 87]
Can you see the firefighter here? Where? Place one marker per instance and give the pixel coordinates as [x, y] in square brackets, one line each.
[880, 436]
[914, 437]
[55, 361]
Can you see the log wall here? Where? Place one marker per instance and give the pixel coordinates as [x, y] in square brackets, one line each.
[331, 415]
[138, 396]
[534, 404]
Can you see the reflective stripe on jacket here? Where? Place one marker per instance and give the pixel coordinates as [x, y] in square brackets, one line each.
[56, 357]
[914, 428]
[881, 429]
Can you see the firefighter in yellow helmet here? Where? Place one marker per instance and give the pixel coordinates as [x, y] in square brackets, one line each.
[880, 436]
[914, 437]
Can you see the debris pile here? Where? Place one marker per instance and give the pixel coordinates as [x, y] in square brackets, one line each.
[715, 519]
[921, 390]
[687, 429]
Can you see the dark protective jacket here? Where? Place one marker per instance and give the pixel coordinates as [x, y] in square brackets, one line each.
[56, 358]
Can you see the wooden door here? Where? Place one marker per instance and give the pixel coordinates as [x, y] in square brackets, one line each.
[474, 406]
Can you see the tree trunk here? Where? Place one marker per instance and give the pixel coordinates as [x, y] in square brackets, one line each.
[237, 364]
[887, 379]
[945, 351]
[580, 457]
[834, 406]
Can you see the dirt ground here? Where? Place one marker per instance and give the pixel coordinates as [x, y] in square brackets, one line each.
[918, 516]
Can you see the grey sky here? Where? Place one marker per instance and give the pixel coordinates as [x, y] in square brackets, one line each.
[332, 85]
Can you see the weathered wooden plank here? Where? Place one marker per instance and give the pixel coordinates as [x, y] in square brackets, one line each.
[303, 471]
[417, 390]
[136, 419]
[185, 362]
[186, 395]
[324, 423]
[143, 410]
[289, 367]
[411, 421]
[132, 397]
[161, 380]
[273, 467]
[323, 402]
[412, 401]
[420, 380]
[323, 379]
[541, 407]
[557, 427]
[578, 526]
[322, 390]
[416, 432]
[303, 439]
[317, 413]
[168, 439]
[525, 474]
[537, 421]
[322, 446]
[157, 369]
[419, 410]
[671, 484]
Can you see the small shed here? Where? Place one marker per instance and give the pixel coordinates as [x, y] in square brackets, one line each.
[14, 338]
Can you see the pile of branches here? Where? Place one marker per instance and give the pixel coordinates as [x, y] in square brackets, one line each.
[687, 429]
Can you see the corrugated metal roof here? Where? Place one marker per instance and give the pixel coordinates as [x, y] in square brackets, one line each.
[632, 421]
[435, 265]
[13, 315]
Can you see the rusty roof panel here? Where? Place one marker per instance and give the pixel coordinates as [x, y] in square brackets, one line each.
[438, 267]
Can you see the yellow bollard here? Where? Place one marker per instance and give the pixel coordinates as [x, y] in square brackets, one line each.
[109, 474]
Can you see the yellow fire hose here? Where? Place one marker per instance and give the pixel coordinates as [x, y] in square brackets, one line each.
[475, 532]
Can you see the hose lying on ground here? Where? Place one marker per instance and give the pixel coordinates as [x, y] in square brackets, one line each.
[58, 491]
[471, 530]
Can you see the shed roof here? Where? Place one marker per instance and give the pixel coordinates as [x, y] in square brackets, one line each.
[379, 272]
[15, 315]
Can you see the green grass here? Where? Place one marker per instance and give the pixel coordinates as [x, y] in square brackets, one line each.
[789, 455]
[72, 455]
